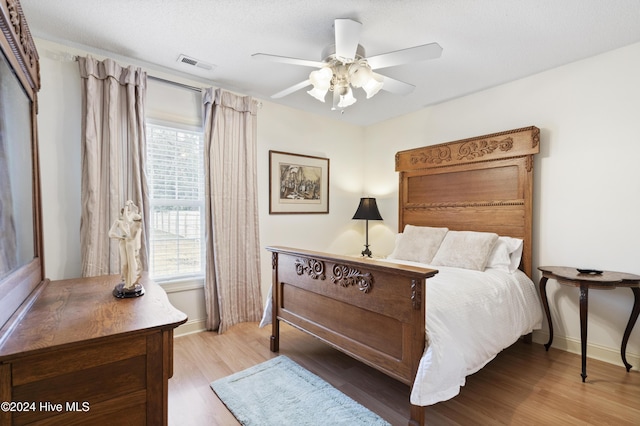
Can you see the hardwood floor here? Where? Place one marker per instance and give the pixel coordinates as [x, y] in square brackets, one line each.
[524, 385]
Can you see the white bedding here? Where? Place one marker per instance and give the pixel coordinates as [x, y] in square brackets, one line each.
[471, 317]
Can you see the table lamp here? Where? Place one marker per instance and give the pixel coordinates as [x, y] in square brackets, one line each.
[367, 210]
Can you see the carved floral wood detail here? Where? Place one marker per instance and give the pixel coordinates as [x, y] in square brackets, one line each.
[535, 137]
[469, 151]
[346, 276]
[475, 149]
[22, 31]
[416, 294]
[509, 144]
[312, 267]
[343, 275]
[435, 155]
[529, 164]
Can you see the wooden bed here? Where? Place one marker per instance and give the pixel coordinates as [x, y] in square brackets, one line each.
[374, 310]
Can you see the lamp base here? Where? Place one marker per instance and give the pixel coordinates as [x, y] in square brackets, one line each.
[366, 251]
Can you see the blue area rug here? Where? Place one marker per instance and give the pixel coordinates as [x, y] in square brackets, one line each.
[280, 392]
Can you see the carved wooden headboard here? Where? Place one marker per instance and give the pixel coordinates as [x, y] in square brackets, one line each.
[481, 184]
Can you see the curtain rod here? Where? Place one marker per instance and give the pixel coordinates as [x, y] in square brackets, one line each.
[175, 83]
[164, 80]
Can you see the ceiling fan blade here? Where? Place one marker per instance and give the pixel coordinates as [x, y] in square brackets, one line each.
[291, 89]
[287, 60]
[405, 56]
[347, 38]
[396, 86]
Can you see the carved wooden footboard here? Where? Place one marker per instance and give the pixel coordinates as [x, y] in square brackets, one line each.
[371, 310]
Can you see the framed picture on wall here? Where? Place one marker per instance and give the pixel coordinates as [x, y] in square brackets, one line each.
[298, 183]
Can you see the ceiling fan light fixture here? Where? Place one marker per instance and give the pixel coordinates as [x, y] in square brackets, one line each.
[321, 81]
[346, 98]
[318, 93]
[340, 78]
[373, 85]
[336, 100]
[359, 73]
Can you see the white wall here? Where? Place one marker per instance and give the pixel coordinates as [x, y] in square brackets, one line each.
[288, 130]
[587, 179]
[59, 121]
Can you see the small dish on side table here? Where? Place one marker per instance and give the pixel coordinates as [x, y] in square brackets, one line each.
[589, 271]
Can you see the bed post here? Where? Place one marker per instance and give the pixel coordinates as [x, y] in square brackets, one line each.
[275, 323]
[419, 296]
[417, 415]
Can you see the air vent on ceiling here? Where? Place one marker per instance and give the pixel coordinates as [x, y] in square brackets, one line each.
[184, 59]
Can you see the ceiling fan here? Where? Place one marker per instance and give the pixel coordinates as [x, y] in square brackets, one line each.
[344, 65]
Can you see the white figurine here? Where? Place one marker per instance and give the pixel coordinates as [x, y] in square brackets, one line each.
[127, 229]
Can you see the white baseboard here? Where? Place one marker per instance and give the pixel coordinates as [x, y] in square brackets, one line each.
[190, 327]
[601, 353]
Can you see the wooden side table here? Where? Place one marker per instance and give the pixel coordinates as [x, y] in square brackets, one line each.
[606, 280]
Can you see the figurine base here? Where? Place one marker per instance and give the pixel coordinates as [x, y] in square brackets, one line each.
[122, 293]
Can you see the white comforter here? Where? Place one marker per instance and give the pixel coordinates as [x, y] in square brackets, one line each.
[471, 317]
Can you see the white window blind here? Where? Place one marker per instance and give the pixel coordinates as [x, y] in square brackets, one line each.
[175, 175]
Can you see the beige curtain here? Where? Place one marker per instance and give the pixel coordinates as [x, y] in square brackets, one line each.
[113, 158]
[232, 281]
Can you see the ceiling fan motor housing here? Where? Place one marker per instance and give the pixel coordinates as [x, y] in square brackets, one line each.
[329, 55]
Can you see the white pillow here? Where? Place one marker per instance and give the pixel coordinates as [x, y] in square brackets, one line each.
[465, 249]
[418, 243]
[506, 254]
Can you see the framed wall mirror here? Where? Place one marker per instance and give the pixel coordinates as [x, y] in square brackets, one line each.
[21, 265]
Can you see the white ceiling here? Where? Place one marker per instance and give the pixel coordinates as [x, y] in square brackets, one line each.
[485, 42]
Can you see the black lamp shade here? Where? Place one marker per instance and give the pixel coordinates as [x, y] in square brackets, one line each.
[367, 210]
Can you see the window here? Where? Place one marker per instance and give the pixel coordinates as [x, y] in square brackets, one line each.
[175, 174]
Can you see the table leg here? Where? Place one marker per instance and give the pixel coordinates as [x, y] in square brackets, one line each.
[584, 310]
[632, 321]
[545, 304]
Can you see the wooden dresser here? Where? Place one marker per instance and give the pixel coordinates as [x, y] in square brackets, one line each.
[81, 356]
